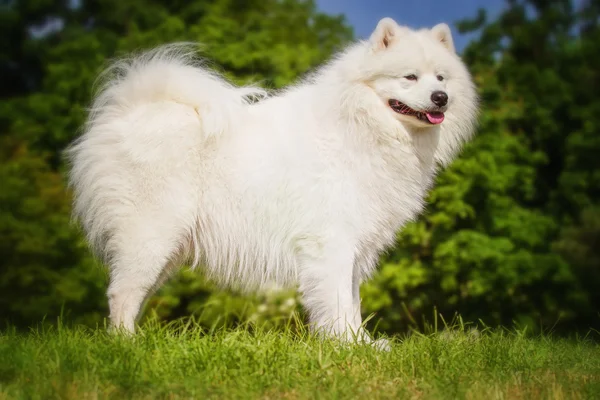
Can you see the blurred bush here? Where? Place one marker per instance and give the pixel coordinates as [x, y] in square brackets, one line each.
[511, 233]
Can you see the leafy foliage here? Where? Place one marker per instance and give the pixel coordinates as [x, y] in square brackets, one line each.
[485, 246]
[53, 55]
[512, 230]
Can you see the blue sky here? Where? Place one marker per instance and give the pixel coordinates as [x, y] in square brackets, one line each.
[363, 15]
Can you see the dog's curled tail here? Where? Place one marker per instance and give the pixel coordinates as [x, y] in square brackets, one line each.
[171, 73]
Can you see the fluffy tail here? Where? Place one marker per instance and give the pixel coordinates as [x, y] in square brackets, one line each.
[143, 106]
[171, 73]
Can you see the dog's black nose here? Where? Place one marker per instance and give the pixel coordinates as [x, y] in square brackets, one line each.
[439, 98]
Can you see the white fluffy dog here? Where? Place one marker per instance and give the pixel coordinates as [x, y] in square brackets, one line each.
[307, 186]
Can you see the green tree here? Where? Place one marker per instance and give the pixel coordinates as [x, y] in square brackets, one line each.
[484, 247]
[52, 54]
[511, 232]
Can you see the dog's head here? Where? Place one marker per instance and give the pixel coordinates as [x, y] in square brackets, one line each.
[416, 81]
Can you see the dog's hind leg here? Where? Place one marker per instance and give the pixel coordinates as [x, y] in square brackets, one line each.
[144, 257]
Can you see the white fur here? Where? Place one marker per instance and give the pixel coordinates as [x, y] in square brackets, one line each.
[308, 186]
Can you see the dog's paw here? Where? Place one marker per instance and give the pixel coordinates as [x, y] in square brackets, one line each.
[382, 344]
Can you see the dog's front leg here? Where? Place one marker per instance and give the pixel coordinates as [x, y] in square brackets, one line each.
[328, 289]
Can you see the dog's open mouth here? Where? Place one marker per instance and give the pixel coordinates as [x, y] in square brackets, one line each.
[432, 117]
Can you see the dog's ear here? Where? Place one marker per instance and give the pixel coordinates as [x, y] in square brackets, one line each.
[442, 33]
[384, 33]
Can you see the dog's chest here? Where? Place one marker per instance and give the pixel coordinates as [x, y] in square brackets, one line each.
[390, 193]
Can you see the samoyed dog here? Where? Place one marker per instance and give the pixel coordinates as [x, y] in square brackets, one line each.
[306, 186]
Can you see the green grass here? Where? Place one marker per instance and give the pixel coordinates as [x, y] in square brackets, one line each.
[185, 362]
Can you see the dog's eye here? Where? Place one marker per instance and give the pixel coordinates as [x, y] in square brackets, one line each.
[440, 78]
[411, 77]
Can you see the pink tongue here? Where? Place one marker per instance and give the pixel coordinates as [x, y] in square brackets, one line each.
[435, 117]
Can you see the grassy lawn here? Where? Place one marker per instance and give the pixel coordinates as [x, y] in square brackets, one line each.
[179, 362]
